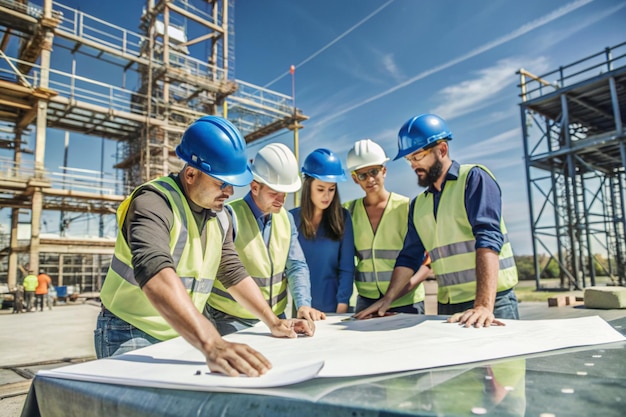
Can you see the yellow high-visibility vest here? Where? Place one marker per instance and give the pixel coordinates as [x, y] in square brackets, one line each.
[121, 293]
[451, 244]
[377, 252]
[266, 265]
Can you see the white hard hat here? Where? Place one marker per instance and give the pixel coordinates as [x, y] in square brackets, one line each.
[365, 153]
[276, 166]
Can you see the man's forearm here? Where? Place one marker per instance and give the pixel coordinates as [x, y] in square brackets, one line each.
[248, 294]
[417, 278]
[300, 287]
[487, 268]
[400, 279]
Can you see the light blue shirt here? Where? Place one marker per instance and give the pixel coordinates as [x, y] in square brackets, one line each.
[296, 268]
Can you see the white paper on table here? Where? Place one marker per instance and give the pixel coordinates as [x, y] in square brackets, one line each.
[408, 342]
[177, 364]
[398, 343]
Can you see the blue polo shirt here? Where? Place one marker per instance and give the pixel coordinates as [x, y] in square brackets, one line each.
[483, 203]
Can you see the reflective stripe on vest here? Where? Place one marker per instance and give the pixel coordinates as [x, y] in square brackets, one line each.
[450, 242]
[120, 292]
[265, 264]
[377, 252]
[276, 299]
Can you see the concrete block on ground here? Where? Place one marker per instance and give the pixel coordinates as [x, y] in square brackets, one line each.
[559, 301]
[572, 300]
[605, 297]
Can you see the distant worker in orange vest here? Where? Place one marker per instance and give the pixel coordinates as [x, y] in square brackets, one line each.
[41, 293]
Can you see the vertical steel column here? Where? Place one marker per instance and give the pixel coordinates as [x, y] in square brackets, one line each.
[145, 153]
[40, 144]
[533, 232]
[554, 182]
[225, 38]
[166, 93]
[619, 130]
[620, 222]
[616, 112]
[571, 194]
[15, 214]
[590, 258]
[13, 266]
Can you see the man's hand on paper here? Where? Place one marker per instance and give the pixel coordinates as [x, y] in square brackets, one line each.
[234, 359]
[379, 308]
[292, 328]
[476, 317]
[310, 313]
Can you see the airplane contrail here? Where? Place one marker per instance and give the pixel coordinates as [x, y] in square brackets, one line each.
[331, 43]
[522, 30]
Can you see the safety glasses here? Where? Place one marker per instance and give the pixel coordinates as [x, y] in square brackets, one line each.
[222, 184]
[416, 157]
[370, 173]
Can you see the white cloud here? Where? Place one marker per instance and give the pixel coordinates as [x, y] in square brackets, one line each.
[522, 30]
[503, 113]
[499, 144]
[554, 37]
[391, 68]
[478, 92]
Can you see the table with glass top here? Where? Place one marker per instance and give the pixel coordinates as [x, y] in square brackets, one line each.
[568, 382]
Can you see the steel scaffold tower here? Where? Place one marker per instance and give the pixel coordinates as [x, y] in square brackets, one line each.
[575, 153]
[183, 63]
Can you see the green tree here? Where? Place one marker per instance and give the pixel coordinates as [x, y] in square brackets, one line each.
[525, 267]
[552, 270]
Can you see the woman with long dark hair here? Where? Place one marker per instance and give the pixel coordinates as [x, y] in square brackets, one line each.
[325, 232]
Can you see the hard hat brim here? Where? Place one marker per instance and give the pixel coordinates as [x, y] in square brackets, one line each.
[403, 153]
[329, 178]
[237, 180]
[281, 188]
[369, 164]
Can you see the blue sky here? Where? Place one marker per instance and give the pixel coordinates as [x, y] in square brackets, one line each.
[363, 68]
[361, 72]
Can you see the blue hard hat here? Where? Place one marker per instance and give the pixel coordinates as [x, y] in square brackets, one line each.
[324, 165]
[420, 132]
[214, 146]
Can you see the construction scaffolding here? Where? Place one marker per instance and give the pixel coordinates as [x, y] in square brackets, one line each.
[575, 153]
[182, 62]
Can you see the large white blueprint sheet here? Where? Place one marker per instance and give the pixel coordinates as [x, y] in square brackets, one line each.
[391, 344]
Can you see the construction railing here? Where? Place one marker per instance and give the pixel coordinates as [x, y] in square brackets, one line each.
[533, 86]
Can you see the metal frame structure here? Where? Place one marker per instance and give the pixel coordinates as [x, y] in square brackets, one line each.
[575, 153]
[175, 88]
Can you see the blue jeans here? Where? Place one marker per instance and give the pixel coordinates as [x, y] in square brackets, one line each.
[114, 336]
[504, 308]
[362, 303]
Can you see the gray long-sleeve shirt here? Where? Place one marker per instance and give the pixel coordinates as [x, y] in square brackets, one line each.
[147, 227]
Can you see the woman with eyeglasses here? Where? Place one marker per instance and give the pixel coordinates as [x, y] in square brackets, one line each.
[325, 232]
[380, 221]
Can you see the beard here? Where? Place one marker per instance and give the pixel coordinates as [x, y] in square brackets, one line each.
[432, 175]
